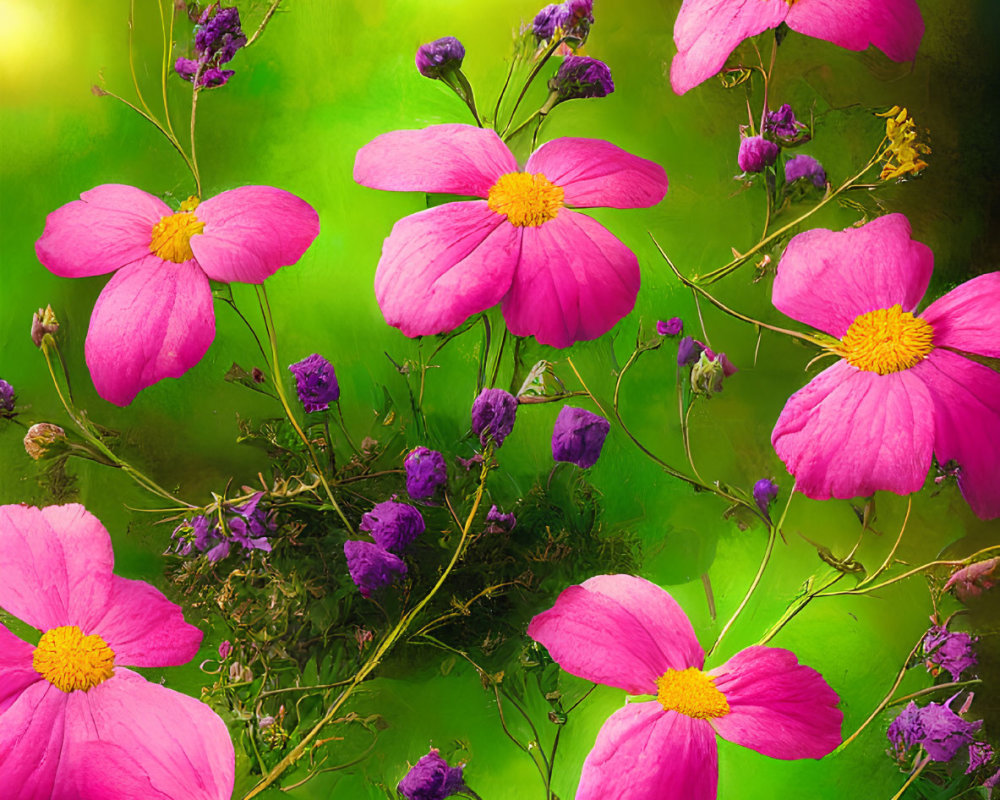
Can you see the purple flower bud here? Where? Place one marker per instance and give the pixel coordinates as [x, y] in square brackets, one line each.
[672, 327]
[393, 525]
[225, 649]
[425, 471]
[688, 351]
[980, 754]
[573, 18]
[782, 123]
[440, 56]
[756, 152]
[940, 731]
[764, 492]
[316, 382]
[371, 566]
[951, 651]
[493, 415]
[186, 68]
[431, 779]
[581, 76]
[803, 166]
[213, 76]
[219, 36]
[497, 522]
[7, 398]
[578, 436]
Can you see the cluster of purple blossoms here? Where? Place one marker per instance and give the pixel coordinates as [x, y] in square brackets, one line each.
[425, 472]
[935, 727]
[436, 58]
[578, 436]
[431, 779]
[580, 77]
[950, 651]
[493, 415]
[247, 525]
[315, 382]
[373, 565]
[573, 18]
[782, 126]
[217, 38]
[7, 398]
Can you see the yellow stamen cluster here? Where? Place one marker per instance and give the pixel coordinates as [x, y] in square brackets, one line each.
[69, 660]
[903, 154]
[171, 239]
[525, 198]
[887, 340]
[691, 692]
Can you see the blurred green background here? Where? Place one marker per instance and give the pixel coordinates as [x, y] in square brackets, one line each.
[325, 79]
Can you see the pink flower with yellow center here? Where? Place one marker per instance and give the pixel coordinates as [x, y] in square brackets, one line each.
[707, 31]
[75, 724]
[154, 319]
[623, 631]
[559, 275]
[904, 389]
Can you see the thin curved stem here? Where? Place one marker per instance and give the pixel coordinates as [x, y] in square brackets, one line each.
[531, 77]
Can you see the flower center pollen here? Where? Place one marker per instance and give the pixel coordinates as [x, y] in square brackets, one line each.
[171, 239]
[526, 198]
[691, 692]
[887, 340]
[69, 660]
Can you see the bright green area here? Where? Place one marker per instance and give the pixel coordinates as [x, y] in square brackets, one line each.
[324, 80]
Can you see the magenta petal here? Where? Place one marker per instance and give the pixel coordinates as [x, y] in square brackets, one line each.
[144, 629]
[176, 743]
[967, 425]
[968, 317]
[894, 26]
[154, 320]
[251, 232]
[574, 282]
[618, 630]
[707, 31]
[56, 565]
[592, 172]
[778, 707]
[108, 227]
[441, 265]
[16, 671]
[451, 159]
[645, 753]
[826, 278]
[849, 433]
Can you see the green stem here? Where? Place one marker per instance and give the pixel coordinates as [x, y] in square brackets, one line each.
[932, 689]
[531, 76]
[263, 23]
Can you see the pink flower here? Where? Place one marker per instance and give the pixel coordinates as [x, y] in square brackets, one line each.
[971, 581]
[154, 319]
[902, 390]
[707, 31]
[626, 632]
[560, 276]
[74, 723]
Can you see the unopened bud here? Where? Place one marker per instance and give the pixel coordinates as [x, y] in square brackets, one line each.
[42, 439]
[43, 321]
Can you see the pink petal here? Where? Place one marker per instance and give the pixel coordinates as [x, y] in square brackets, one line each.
[452, 159]
[16, 671]
[967, 425]
[56, 566]
[849, 433]
[144, 629]
[778, 707]
[592, 172]
[618, 630]
[441, 265]
[968, 317]
[176, 743]
[894, 26]
[574, 282]
[108, 227]
[251, 232]
[154, 320]
[645, 753]
[826, 279]
[707, 31]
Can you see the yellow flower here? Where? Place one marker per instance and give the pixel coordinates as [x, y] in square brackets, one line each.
[903, 155]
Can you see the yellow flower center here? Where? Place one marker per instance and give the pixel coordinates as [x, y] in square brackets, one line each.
[69, 660]
[172, 235]
[887, 340]
[691, 692]
[526, 198]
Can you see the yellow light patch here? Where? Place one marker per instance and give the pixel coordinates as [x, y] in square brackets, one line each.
[69, 660]
[887, 340]
[527, 199]
[691, 692]
[171, 239]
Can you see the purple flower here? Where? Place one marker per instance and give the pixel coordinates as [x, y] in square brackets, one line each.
[186, 68]
[371, 566]
[425, 471]
[493, 415]
[672, 327]
[7, 398]
[225, 649]
[546, 20]
[782, 123]
[581, 76]
[249, 525]
[980, 754]
[578, 436]
[949, 651]
[217, 38]
[803, 166]
[940, 731]
[496, 522]
[756, 152]
[213, 76]
[688, 351]
[440, 56]
[991, 783]
[764, 492]
[393, 525]
[316, 382]
[573, 18]
[431, 779]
